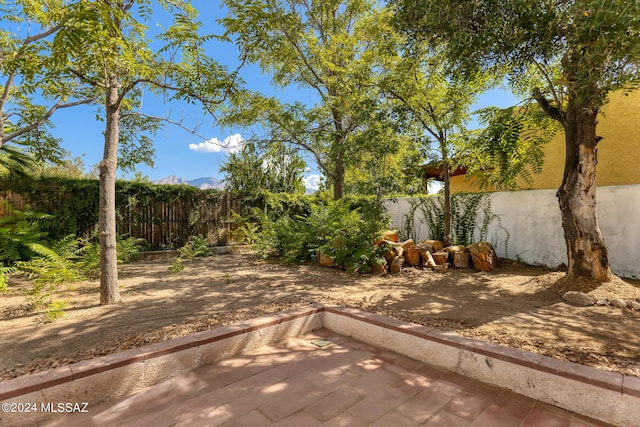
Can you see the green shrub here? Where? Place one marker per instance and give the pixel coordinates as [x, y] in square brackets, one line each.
[343, 230]
[195, 247]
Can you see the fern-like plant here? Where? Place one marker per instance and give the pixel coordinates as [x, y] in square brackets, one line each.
[22, 236]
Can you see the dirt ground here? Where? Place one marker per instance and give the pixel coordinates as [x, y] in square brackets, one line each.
[518, 306]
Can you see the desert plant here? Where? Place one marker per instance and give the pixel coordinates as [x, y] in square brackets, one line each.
[176, 266]
[244, 229]
[334, 228]
[195, 247]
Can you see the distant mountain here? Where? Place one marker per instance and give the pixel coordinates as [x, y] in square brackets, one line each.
[201, 183]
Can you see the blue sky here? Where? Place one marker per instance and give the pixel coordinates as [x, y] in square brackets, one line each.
[177, 151]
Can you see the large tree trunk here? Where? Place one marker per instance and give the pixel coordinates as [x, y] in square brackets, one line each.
[109, 293]
[586, 251]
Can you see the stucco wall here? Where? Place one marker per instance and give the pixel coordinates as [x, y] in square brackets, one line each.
[618, 151]
[530, 229]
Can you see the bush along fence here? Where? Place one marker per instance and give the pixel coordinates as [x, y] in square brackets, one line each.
[165, 216]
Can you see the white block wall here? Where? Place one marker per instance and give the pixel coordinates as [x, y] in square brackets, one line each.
[530, 228]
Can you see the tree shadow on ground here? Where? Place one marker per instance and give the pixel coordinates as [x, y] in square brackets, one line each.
[513, 305]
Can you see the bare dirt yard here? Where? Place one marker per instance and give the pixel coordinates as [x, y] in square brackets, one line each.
[518, 306]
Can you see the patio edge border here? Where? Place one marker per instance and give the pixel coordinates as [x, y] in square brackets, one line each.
[606, 396]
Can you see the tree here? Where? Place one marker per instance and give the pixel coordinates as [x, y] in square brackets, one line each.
[277, 169]
[104, 49]
[582, 51]
[321, 45]
[418, 85]
[32, 87]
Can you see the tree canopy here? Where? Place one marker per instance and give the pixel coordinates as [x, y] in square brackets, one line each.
[276, 168]
[317, 45]
[104, 49]
[577, 53]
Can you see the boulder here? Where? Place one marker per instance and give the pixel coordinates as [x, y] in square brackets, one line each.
[578, 298]
[618, 302]
[483, 256]
[324, 260]
[437, 245]
[441, 258]
[634, 305]
[396, 265]
[412, 256]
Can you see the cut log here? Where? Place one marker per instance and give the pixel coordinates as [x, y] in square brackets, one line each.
[396, 265]
[427, 259]
[390, 250]
[408, 244]
[457, 248]
[424, 246]
[390, 235]
[461, 259]
[436, 244]
[379, 268]
[483, 256]
[441, 258]
[412, 256]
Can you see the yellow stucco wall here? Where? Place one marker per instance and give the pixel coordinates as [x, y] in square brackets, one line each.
[618, 151]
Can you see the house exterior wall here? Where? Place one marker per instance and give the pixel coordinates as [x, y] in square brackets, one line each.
[618, 151]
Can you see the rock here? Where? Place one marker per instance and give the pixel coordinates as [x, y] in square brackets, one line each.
[412, 256]
[602, 302]
[578, 298]
[461, 259]
[618, 302]
[396, 265]
[483, 256]
[324, 260]
[427, 259]
[634, 305]
[441, 258]
[437, 245]
[221, 250]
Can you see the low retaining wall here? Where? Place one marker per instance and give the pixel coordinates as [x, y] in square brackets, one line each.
[606, 396]
[120, 374]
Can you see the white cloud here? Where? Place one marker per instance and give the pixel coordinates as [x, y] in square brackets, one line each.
[312, 182]
[231, 144]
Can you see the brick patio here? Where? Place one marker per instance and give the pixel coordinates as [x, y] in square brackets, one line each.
[346, 383]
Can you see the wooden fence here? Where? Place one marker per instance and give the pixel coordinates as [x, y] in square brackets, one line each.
[161, 223]
[170, 224]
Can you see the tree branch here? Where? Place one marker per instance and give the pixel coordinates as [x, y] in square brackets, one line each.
[43, 119]
[549, 110]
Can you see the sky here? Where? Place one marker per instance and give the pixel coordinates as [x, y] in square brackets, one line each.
[180, 153]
